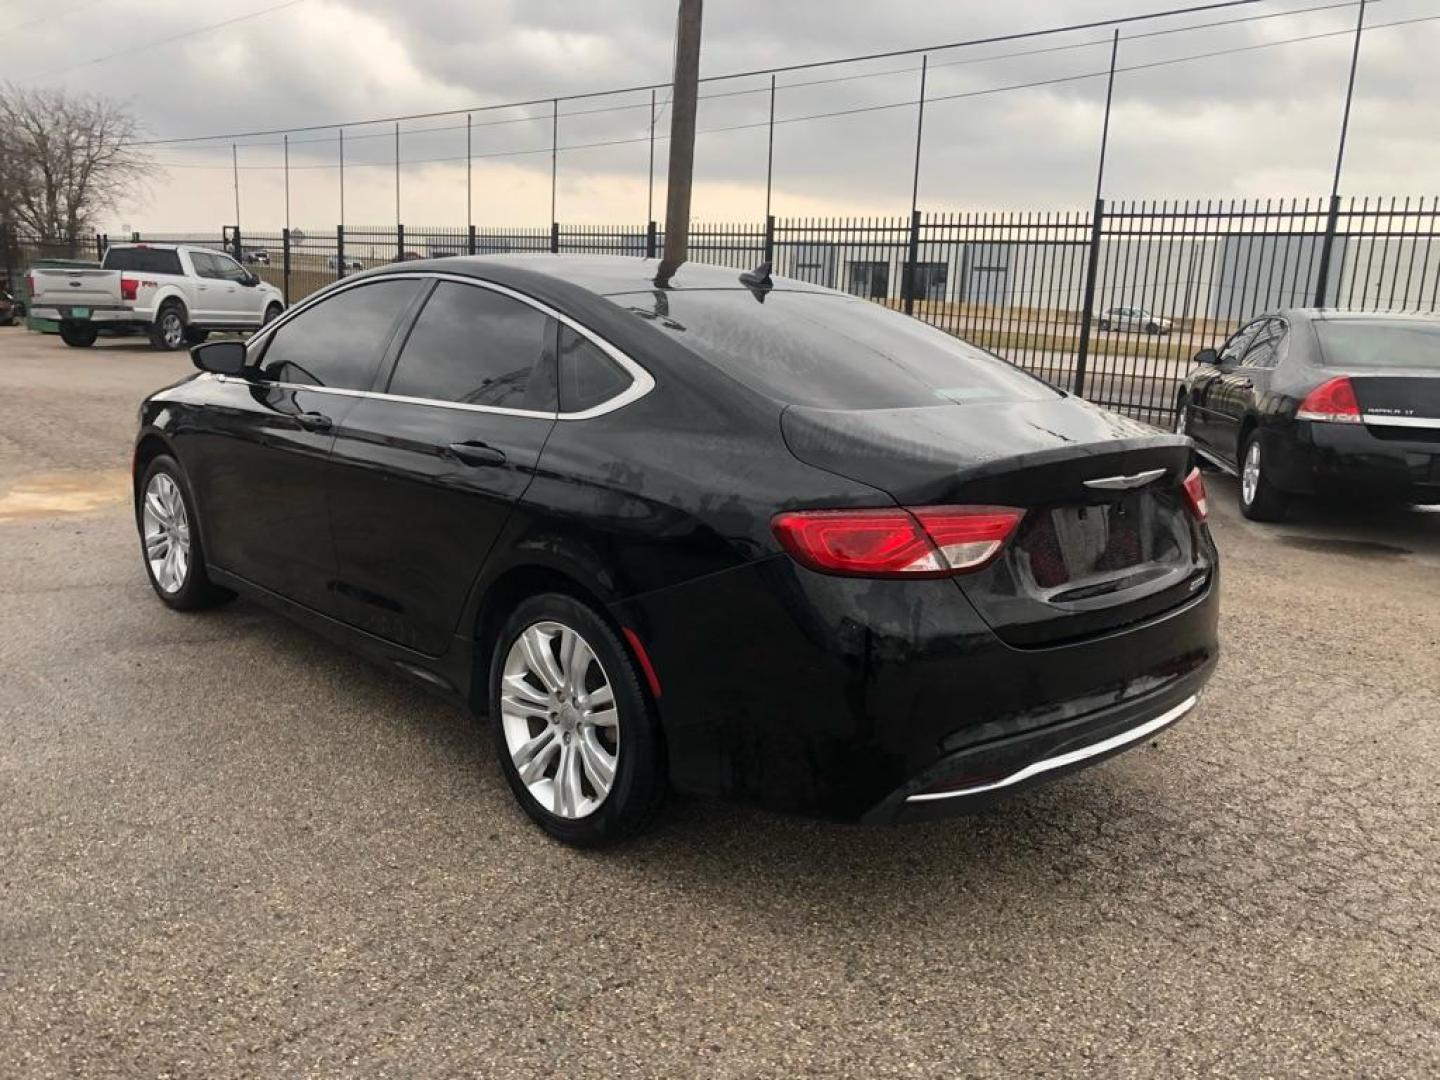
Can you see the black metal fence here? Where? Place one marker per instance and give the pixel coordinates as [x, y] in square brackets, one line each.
[1110, 303]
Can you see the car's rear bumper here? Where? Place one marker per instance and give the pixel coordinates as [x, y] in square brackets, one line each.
[841, 697]
[979, 776]
[1356, 460]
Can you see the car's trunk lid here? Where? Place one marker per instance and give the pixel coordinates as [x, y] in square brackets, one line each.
[1398, 400]
[1107, 540]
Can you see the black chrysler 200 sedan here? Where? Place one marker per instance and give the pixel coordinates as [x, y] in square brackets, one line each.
[1315, 401]
[748, 538]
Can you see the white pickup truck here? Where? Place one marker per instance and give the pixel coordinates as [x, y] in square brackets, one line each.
[176, 293]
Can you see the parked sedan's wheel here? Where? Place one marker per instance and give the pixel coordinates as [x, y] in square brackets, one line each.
[574, 729]
[1152, 328]
[170, 539]
[78, 335]
[1260, 500]
[168, 331]
[1104, 324]
[1182, 416]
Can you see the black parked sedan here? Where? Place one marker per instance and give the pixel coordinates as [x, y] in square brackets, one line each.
[1320, 402]
[749, 538]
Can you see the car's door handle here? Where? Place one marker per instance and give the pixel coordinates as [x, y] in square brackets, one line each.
[1244, 384]
[314, 421]
[476, 453]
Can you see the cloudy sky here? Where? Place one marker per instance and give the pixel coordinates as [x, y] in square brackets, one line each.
[1261, 122]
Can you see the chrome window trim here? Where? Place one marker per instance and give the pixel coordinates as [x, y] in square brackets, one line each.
[1060, 761]
[641, 381]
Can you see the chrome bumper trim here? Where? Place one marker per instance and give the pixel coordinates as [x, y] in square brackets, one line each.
[1060, 761]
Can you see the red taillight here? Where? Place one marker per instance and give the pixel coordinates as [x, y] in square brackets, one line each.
[1332, 402]
[1195, 495]
[128, 288]
[931, 541]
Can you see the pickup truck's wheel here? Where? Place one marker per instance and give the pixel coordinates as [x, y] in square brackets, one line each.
[168, 332]
[195, 336]
[78, 335]
[272, 313]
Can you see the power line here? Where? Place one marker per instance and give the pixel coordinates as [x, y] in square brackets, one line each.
[725, 94]
[166, 40]
[1119, 20]
[857, 110]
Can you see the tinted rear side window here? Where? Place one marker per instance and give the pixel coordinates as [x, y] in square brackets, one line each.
[1379, 343]
[143, 260]
[832, 352]
[340, 340]
[477, 347]
[587, 376]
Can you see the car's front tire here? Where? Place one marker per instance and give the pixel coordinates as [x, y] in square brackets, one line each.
[1260, 500]
[78, 335]
[168, 330]
[574, 728]
[272, 312]
[170, 539]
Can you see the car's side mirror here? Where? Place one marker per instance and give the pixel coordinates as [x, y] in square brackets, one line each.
[220, 357]
[251, 280]
[1207, 356]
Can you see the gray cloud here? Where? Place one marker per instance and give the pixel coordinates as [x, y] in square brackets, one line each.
[1257, 123]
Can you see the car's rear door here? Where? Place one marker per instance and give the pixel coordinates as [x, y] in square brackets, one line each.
[427, 470]
[258, 462]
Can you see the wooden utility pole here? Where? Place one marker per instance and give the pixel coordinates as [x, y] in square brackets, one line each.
[683, 95]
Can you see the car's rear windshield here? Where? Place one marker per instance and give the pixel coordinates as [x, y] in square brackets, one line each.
[143, 260]
[1379, 343]
[832, 352]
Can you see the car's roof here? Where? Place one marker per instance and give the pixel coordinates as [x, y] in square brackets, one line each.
[603, 275]
[1347, 315]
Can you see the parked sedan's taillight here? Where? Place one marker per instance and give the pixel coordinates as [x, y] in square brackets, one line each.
[129, 287]
[1332, 402]
[1195, 497]
[929, 541]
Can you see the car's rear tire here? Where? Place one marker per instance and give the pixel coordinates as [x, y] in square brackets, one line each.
[168, 330]
[1152, 328]
[574, 727]
[78, 335]
[1104, 324]
[1260, 500]
[170, 544]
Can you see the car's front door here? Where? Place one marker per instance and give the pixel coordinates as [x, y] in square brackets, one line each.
[259, 464]
[427, 472]
[208, 291]
[1208, 425]
[1234, 394]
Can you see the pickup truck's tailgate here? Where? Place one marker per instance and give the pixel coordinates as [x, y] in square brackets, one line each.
[59, 287]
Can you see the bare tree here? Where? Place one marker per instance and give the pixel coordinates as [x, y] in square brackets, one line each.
[64, 159]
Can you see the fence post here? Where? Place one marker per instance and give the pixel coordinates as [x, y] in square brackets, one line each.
[99, 247]
[135, 237]
[1087, 312]
[1327, 245]
[770, 238]
[339, 252]
[9, 256]
[285, 262]
[399, 242]
[239, 248]
[912, 256]
[650, 240]
[472, 240]
[554, 238]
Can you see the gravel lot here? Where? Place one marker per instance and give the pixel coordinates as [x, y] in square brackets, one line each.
[230, 849]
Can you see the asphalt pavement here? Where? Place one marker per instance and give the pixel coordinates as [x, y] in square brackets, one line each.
[230, 849]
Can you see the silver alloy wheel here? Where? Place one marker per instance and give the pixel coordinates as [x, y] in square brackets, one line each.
[1250, 475]
[167, 533]
[172, 329]
[562, 728]
[1182, 418]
